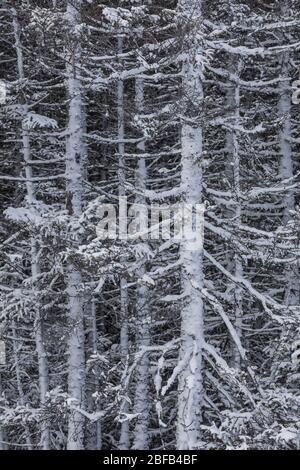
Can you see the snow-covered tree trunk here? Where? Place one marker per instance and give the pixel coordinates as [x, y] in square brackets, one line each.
[190, 380]
[286, 166]
[74, 169]
[2, 432]
[124, 435]
[141, 401]
[17, 366]
[98, 425]
[35, 268]
[94, 433]
[285, 132]
[233, 152]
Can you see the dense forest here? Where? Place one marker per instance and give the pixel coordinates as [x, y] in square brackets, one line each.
[146, 342]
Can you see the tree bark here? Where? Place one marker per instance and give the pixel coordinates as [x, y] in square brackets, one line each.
[233, 152]
[74, 169]
[190, 380]
[124, 442]
[141, 402]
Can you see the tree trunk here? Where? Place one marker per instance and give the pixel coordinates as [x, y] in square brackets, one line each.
[35, 268]
[141, 403]
[29, 445]
[74, 168]
[94, 434]
[2, 431]
[292, 292]
[233, 152]
[190, 381]
[124, 435]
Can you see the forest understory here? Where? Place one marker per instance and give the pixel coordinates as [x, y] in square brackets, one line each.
[119, 328]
